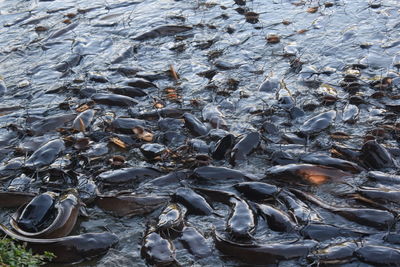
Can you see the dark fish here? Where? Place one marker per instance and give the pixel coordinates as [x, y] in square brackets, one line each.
[151, 151]
[380, 194]
[15, 199]
[170, 124]
[300, 212]
[67, 210]
[264, 253]
[222, 147]
[195, 203]
[241, 223]
[277, 220]
[293, 139]
[379, 255]
[157, 250]
[161, 113]
[257, 190]
[245, 147]
[335, 254]
[125, 70]
[312, 174]
[196, 127]
[375, 156]
[36, 212]
[45, 154]
[125, 125]
[345, 153]
[128, 175]
[385, 178]
[321, 159]
[161, 31]
[210, 174]
[195, 242]
[88, 190]
[318, 123]
[83, 120]
[128, 204]
[70, 249]
[379, 219]
[97, 77]
[283, 158]
[140, 83]
[171, 220]
[128, 91]
[114, 100]
[172, 178]
[216, 195]
[393, 238]
[321, 232]
[50, 123]
[199, 146]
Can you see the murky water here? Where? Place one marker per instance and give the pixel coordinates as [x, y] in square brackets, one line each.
[268, 66]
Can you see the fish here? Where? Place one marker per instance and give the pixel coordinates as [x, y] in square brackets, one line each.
[83, 120]
[157, 250]
[67, 211]
[45, 154]
[244, 147]
[223, 147]
[36, 212]
[114, 100]
[264, 253]
[15, 199]
[325, 160]
[195, 242]
[128, 175]
[242, 222]
[195, 203]
[257, 191]
[376, 157]
[335, 254]
[122, 205]
[380, 194]
[195, 126]
[321, 232]
[309, 173]
[276, 219]
[318, 123]
[50, 123]
[162, 31]
[378, 255]
[171, 220]
[299, 211]
[379, 219]
[211, 174]
[69, 249]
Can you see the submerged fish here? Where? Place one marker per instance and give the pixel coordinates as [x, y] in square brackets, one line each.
[312, 174]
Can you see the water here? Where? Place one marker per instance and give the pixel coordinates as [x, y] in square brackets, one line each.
[51, 51]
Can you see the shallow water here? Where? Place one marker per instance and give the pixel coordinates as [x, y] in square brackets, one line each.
[56, 54]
